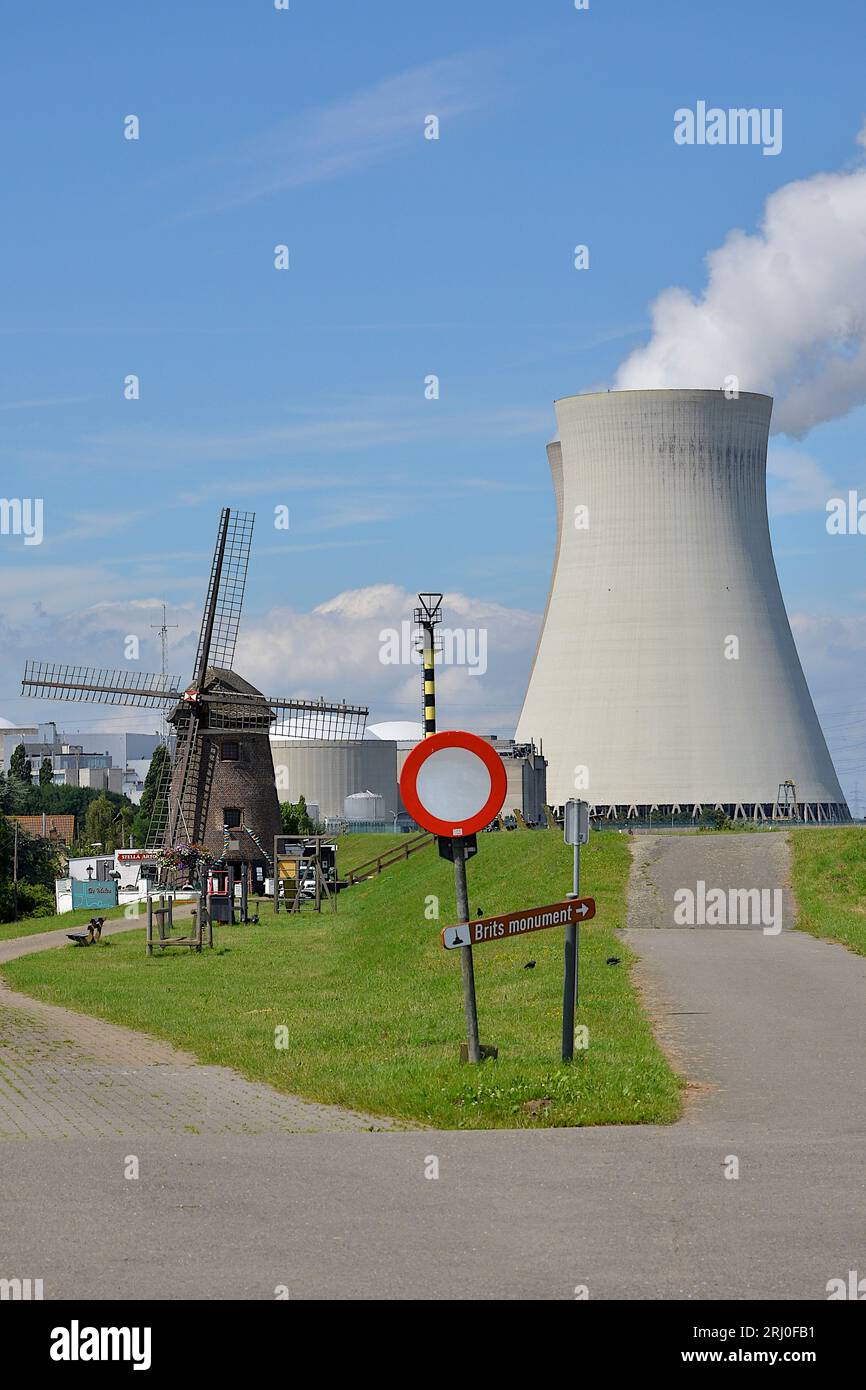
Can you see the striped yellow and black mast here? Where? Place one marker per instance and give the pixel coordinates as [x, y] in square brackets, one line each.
[427, 619]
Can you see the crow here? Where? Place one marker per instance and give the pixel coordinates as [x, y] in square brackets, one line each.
[612, 960]
[530, 965]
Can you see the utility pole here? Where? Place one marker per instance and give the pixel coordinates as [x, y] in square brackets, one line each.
[15, 873]
[163, 628]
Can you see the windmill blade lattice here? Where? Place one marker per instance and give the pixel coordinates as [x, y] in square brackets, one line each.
[313, 719]
[50, 680]
[225, 594]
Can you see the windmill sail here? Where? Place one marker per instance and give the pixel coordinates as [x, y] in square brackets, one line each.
[316, 719]
[225, 594]
[154, 835]
[50, 680]
[187, 805]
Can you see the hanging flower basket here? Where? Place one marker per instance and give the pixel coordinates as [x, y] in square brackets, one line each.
[184, 856]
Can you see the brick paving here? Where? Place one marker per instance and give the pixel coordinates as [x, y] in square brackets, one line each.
[67, 1075]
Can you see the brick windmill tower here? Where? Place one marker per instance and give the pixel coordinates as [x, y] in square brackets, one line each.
[219, 791]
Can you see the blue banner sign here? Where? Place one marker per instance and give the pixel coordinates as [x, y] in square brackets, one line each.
[94, 893]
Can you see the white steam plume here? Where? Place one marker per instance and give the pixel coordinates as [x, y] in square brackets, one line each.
[783, 310]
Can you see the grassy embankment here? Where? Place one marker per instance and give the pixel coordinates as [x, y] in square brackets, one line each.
[373, 1004]
[828, 876]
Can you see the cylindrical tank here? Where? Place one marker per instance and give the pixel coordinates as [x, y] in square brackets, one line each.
[666, 673]
[366, 806]
[326, 771]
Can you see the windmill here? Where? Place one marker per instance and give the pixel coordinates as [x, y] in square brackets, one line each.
[219, 791]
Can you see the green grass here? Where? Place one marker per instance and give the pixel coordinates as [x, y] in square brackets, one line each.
[354, 850]
[373, 1004]
[27, 926]
[828, 874]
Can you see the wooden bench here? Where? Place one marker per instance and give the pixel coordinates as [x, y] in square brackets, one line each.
[86, 936]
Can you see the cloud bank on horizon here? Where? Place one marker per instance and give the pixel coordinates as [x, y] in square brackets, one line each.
[783, 309]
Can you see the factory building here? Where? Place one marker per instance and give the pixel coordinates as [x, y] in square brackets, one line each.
[666, 676]
[358, 780]
[526, 773]
[118, 762]
[327, 771]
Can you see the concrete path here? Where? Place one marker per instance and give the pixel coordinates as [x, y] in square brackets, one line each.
[771, 1028]
[774, 1022]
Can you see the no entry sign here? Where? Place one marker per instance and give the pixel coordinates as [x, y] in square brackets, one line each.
[453, 783]
[512, 924]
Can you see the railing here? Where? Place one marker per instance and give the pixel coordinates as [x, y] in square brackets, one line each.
[384, 861]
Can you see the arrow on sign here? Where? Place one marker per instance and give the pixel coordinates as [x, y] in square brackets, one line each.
[512, 924]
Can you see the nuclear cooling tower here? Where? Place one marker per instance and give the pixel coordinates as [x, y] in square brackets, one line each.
[666, 676]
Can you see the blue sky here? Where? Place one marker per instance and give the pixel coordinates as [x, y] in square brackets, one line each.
[408, 257]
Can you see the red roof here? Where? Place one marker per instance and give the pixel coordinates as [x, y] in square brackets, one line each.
[56, 827]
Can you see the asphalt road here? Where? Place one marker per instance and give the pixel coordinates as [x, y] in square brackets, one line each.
[770, 1029]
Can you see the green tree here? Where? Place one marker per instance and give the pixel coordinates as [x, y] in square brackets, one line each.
[38, 867]
[153, 796]
[13, 795]
[46, 772]
[296, 818]
[99, 827]
[20, 767]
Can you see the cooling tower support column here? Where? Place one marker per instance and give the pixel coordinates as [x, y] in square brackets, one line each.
[666, 679]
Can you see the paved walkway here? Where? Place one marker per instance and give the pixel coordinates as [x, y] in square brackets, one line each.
[771, 1029]
[67, 1075]
[774, 1023]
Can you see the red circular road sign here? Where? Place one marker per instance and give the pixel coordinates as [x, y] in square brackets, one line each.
[453, 783]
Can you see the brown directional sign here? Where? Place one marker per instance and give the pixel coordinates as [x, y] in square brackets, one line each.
[511, 924]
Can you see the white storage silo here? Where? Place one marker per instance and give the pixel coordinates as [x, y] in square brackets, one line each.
[326, 771]
[364, 806]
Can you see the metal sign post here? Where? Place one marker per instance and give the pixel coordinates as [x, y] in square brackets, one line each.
[576, 834]
[467, 967]
[453, 784]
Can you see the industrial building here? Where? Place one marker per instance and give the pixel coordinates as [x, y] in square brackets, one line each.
[10, 736]
[327, 771]
[357, 780]
[117, 762]
[666, 678]
[526, 773]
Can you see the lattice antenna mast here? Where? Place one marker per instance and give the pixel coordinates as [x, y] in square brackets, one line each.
[427, 619]
[163, 628]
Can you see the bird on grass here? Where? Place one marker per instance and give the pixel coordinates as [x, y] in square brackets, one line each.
[530, 965]
[612, 960]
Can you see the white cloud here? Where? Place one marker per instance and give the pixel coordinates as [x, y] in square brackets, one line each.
[332, 650]
[796, 482]
[335, 649]
[349, 136]
[783, 310]
[336, 429]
